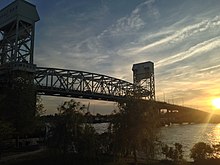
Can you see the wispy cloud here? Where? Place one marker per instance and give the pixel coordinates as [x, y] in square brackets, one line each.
[216, 67]
[198, 49]
[181, 34]
[133, 22]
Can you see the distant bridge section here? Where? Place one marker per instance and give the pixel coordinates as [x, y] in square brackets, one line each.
[81, 84]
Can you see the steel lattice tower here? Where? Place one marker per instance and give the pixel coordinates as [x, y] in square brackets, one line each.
[17, 23]
[17, 68]
[143, 78]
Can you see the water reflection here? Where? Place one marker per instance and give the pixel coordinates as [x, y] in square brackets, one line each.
[214, 137]
[188, 135]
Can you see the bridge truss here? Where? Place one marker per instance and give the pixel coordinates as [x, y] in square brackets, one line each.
[81, 84]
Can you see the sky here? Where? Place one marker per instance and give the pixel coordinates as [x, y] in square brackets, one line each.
[181, 37]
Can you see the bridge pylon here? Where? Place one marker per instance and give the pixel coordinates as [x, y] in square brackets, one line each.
[143, 79]
[17, 27]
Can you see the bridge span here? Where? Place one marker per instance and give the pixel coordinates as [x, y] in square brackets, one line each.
[86, 85]
[81, 84]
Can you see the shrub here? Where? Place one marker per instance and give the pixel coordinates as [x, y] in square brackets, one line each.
[175, 154]
[201, 151]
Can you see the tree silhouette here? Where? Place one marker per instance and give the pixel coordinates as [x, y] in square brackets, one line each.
[201, 151]
[175, 154]
[6, 132]
[135, 128]
[67, 126]
[18, 104]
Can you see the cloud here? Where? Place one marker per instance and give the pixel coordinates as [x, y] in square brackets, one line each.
[198, 49]
[177, 35]
[133, 22]
[216, 67]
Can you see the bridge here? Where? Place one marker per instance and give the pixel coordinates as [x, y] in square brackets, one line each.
[81, 84]
[17, 28]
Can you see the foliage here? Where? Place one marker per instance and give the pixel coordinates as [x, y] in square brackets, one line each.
[71, 133]
[216, 151]
[105, 141]
[39, 106]
[17, 105]
[67, 126]
[88, 144]
[6, 132]
[175, 154]
[201, 151]
[134, 128]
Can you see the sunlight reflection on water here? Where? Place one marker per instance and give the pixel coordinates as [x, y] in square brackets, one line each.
[187, 135]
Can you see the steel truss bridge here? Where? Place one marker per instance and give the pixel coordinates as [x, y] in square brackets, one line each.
[81, 84]
[17, 29]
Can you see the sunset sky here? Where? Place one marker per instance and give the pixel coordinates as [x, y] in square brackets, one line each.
[182, 38]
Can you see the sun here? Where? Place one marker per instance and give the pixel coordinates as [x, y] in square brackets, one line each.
[216, 103]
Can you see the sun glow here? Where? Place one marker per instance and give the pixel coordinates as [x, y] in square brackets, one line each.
[216, 103]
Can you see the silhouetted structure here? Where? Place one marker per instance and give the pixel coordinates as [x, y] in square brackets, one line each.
[17, 70]
[143, 77]
[19, 74]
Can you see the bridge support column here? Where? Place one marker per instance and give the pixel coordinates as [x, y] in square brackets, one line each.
[17, 68]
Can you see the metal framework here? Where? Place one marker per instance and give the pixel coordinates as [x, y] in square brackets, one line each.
[17, 26]
[73, 83]
[17, 43]
[143, 78]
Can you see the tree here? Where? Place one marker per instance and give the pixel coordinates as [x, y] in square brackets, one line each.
[134, 128]
[201, 151]
[88, 142]
[71, 133]
[175, 154]
[18, 102]
[67, 126]
[6, 132]
[39, 106]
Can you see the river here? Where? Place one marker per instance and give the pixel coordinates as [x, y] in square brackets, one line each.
[187, 135]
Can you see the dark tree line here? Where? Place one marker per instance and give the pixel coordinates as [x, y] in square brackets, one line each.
[19, 113]
[132, 131]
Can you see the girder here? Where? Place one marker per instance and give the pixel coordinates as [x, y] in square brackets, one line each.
[74, 83]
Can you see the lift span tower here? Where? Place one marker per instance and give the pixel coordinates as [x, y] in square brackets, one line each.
[17, 26]
[143, 77]
[17, 23]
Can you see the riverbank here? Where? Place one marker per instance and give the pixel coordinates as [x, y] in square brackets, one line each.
[45, 157]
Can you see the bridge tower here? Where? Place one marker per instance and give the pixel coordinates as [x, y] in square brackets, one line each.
[17, 27]
[143, 76]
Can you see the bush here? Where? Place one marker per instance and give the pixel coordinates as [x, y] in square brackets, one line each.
[175, 154]
[201, 151]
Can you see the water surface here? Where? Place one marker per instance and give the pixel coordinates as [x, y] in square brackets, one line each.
[187, 135]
